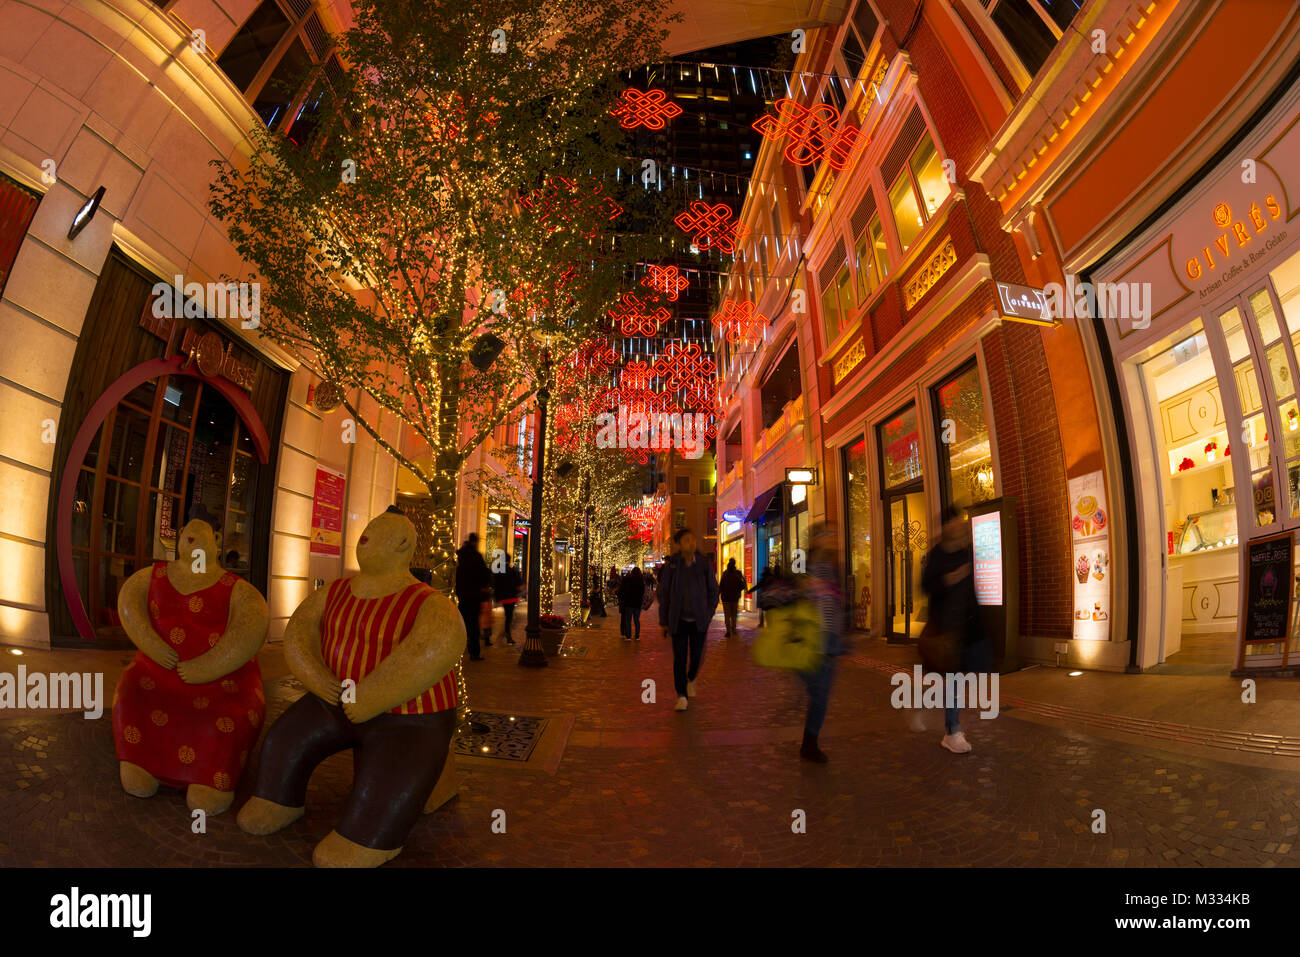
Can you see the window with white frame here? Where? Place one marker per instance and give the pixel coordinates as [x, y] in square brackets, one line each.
[1031, 28]
[918, 191]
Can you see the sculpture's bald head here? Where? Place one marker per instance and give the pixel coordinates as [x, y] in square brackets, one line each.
[386, 544]
[197, 535]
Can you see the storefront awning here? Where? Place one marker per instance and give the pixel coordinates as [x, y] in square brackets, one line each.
[762, 503]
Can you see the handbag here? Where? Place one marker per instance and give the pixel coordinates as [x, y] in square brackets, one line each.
[790, 639]
[648, 600]
[485, 615]
[940, 651]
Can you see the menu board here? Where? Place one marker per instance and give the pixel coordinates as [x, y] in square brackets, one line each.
[1090, 541]
[986, 541]
[327, 513]
[1268, 591]
[749, 565]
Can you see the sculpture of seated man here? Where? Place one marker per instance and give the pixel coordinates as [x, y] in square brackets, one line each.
[398, 640]
[190, 705]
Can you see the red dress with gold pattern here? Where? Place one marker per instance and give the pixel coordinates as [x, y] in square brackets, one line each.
[182, 733]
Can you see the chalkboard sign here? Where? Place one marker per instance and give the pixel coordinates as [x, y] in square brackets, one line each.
[1268, 589]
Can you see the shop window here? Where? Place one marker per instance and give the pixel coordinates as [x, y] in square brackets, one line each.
[1032, 27]
[250, 49]
[900, 447]
[1253, 435]
[857, 511]
[918, 192]
[965, 453]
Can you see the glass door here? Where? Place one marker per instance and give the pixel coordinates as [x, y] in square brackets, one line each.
[905, 553]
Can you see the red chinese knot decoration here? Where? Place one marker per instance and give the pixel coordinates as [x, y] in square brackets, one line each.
[739, 323]
[562, 204]
[810, 133]
[711, 227]
[649, 108]
[635, 318]
[665, 279]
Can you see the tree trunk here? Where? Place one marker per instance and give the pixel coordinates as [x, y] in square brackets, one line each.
[442, 489]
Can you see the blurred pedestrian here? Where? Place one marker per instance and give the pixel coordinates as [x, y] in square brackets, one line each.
[473, 588]
[631, 592]
[949, 582]
[771, 574]
[506, 587]
[688, 600]
[730, 588]
[823, 589]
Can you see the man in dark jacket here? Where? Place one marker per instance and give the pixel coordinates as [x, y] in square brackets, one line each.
[730, 588]
[505, 589]
[631, 592]
[473, 587]
[949, 583]
[688, 600]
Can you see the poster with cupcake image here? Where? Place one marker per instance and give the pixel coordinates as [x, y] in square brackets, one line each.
[1090, 541]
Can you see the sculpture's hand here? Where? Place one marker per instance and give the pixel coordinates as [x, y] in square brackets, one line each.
[165, 657]
[363, 707]
[196, 671]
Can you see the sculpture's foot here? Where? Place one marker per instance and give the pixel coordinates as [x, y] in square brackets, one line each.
[447, 786]
[262, 817]
[337, 851]
[200, 797]
[136, 781]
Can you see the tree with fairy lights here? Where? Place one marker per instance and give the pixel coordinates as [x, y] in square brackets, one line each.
[456, 216]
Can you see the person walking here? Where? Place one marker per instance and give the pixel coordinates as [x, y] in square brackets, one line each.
[631, 592]
[823, 588]
[730, 588]
[473, 587]
[770, 574]
[949, 583]
[506, 587]
[688, 600]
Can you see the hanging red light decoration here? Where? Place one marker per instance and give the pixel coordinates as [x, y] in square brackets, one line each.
[563, 204]
[643, 519]
[648, 108]
[811, 133]
[739, 323]
[635, 318]
[665, 279]
[683, 366]
[711, 227]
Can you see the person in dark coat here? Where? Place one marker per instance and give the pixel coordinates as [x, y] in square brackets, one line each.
[949, 583]
[631, 592]
[506, 587]
[730, 588]
[770, 574]
[688, 600]
[473, 587]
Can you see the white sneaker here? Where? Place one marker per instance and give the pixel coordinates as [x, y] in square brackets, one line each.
[681, 704]
[916, 720]
[690, 689]
[956, 743]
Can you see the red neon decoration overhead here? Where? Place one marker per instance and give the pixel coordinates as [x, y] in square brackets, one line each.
[634, 317]
[685, 367]
[711, 227]
[739, 323]
[649, 108]
[665, 279]
[563, 204]
[810, 133]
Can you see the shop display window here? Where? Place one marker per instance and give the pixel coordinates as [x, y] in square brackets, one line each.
[900, 446]
[965, 452]
[857, 509]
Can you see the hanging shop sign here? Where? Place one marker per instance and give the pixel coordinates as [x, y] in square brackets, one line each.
[1268, 590]
[1090, 537]
[327, 513]
[1025, 304]
[735, 515]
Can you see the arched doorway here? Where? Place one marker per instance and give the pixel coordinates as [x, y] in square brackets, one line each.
[162, 445]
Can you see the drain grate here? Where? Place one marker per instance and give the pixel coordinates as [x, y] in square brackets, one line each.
[509, 737]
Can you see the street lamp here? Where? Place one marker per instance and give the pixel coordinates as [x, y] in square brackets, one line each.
[532, 655]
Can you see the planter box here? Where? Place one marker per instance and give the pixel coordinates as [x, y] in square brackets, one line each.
[552, 638]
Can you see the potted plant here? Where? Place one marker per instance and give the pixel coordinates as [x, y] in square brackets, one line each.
[1210, 448]
[552, 630]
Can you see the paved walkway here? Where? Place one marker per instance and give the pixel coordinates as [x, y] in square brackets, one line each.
[617, 781]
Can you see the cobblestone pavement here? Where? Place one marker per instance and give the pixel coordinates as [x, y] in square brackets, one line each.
[639, 784]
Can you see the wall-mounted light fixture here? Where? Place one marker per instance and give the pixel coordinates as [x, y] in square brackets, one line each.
[86, 213]
[801, 476]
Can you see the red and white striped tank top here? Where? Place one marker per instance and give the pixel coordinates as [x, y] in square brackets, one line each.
[358, 633]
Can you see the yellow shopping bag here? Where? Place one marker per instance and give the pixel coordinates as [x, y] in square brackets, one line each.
[790, 638]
